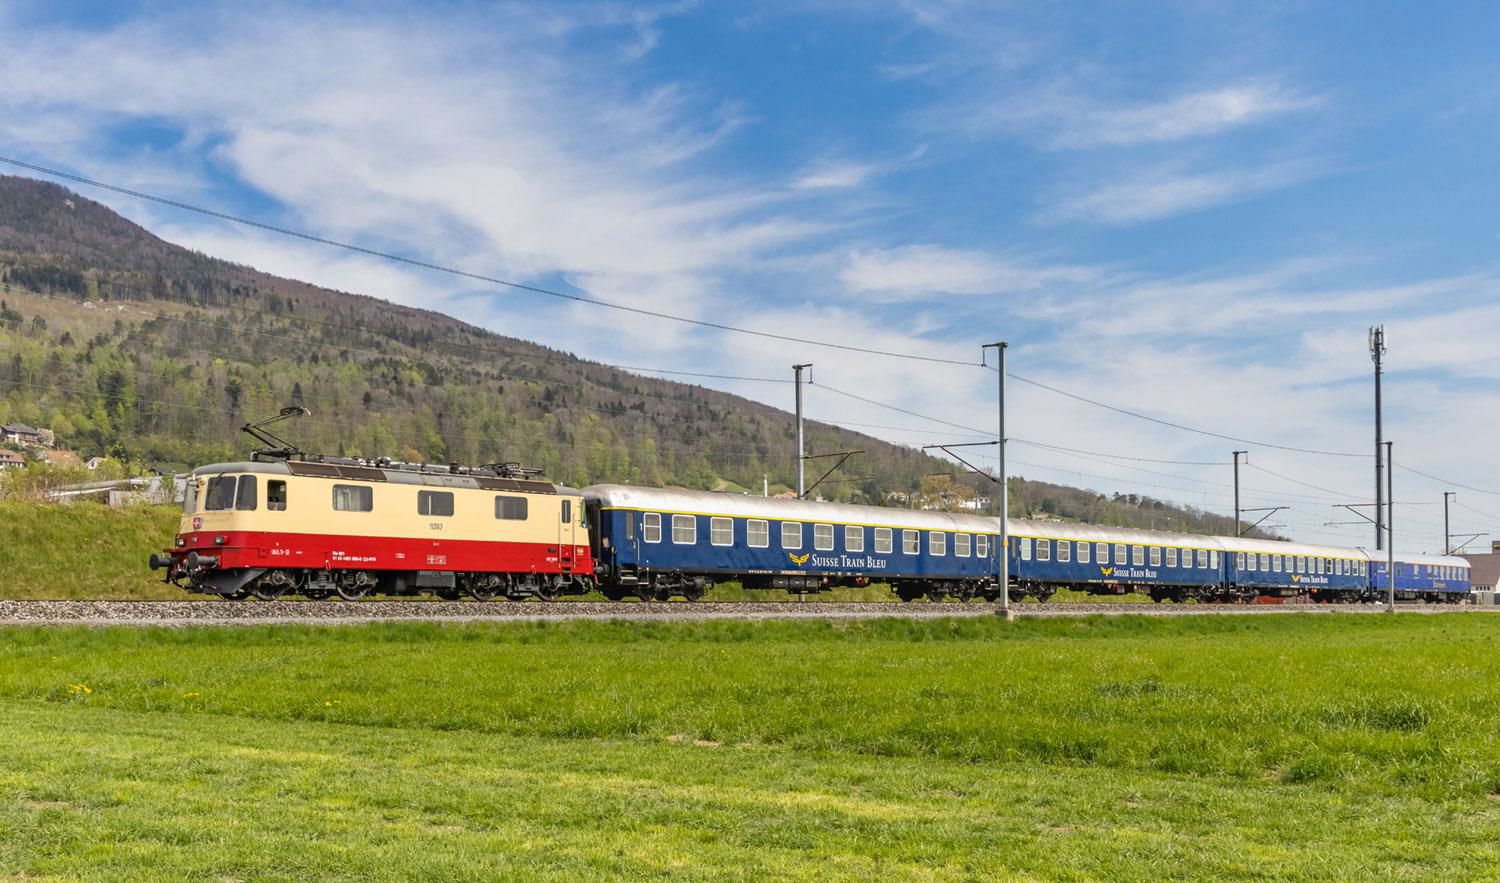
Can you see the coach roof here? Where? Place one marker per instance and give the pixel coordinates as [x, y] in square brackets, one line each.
[619, 496]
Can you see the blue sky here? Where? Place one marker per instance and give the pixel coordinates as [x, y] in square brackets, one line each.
[1193, 209]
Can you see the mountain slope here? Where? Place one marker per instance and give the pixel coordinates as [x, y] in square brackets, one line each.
[121, 342]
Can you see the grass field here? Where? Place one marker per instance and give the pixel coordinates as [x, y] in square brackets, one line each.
[1250, 747]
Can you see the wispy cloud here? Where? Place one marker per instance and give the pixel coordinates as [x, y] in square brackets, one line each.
[915, 271]
[1156, 195]
[1061, 116]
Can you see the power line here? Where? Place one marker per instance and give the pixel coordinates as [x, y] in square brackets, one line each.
[1035, 444]
[479, 277]
[1168, 423]
[1467, 487]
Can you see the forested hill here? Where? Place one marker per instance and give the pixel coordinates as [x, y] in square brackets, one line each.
[122, 343]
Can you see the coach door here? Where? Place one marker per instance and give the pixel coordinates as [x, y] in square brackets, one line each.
[567, 532]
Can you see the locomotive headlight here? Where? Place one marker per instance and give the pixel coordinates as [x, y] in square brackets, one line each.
[181, 541]
[218, 541]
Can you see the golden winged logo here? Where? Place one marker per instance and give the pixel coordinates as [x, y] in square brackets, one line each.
[1106, 570]
[799, 559]
[1295, 577]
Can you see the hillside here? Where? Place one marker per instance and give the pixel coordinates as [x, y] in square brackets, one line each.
[124, 344]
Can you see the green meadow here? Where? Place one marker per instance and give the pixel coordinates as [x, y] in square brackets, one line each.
[1303, 747]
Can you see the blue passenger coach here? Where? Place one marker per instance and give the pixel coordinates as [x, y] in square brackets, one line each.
[1048, 555]
[655, 543]
[1280, 569]
[1431, 578]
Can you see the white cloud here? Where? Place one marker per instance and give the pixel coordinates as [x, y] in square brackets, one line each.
[1156, 195]
[1072, 123]
[915, 271]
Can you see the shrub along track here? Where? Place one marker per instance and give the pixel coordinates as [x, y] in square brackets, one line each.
[213, 612]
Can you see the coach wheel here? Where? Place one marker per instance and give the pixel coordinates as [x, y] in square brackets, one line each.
[693, 591]
[908, 594]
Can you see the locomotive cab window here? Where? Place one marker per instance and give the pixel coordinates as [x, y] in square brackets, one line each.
[911, 542]
[514, 509]
[684, 530]
[567, 511]
[438, 504]
[353, 498]
[791, 534]
[721, 531]
[276, 496]
[220, 496]
[854, 539]
[757, 533]
[884, 540]
[651, 527]
[823, 537]
[244, 498]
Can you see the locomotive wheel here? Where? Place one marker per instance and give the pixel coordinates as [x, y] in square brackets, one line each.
[267, 593]
[318, 594]
[483, 593]
[353, 593]
[236, 596]
[548, 592]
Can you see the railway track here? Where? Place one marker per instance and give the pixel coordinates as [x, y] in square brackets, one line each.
[195, 612]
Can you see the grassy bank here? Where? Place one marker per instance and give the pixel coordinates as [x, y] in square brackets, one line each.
[1314, 747]
[83, 550]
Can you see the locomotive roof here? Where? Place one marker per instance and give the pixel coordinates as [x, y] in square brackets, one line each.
[622, 496]
[439, 476]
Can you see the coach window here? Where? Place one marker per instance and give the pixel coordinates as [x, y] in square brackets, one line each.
[684, 530]
[823, 537]
[1155, 553]
[1275, 563]
[276, 496]
[1202, 557]
[1044, 550]
[1248, 564]
[1213, 559]
[1120, 553]
[1083, 552]
[220, 496]
[721, 531]
[1239, 560]
[1171, 556]
[854, 538]
[244, 498]
[911, 542]
[757, 533]
[937, 542]
[791, 534]
[884, 540]
[1025, 548]
[514, 509]
[440, 503]
[962, 543]
[1064, 551]
[1137, 555]
[981, 546]
[353, 498]
[1101, 553]
[650, 525]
